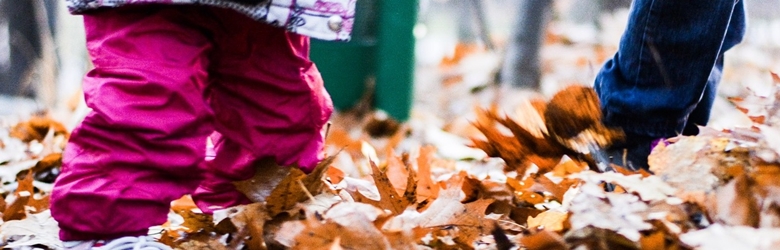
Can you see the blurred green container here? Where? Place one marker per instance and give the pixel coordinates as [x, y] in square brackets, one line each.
[382, 47]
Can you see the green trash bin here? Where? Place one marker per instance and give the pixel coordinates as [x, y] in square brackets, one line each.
[382, 47]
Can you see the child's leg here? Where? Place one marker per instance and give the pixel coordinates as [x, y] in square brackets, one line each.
[230, 163]
[141, 146]
[269, 101]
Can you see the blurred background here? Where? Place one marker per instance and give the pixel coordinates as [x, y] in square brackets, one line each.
[431, 60]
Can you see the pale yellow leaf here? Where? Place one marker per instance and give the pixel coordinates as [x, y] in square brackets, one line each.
[550, 220]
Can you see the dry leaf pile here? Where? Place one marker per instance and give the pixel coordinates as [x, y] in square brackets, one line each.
[717, 190]
[720, 184]
[30, 160]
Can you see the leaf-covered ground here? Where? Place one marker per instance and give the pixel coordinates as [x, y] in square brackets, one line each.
[475, 168]
[519, 186]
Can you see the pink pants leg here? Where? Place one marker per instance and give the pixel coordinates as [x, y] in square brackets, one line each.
[165, 78]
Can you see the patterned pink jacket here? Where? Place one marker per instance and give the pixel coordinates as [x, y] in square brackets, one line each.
[321, 19]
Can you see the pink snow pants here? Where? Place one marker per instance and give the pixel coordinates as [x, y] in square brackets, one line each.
[165, 79]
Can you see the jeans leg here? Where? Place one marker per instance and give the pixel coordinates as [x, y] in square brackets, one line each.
[701, 114]
[664, 62]
[25, 47]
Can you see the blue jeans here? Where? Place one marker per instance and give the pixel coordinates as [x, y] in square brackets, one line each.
[663, 80]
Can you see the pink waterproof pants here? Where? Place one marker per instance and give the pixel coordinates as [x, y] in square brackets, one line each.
[166, 78]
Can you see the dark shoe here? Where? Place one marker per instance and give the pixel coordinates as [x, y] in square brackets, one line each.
[632, 153]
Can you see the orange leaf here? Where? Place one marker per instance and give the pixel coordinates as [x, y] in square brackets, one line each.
[40, 204]
[203, 242]
[557, 190]
[25, 185]
[24, 194]
[250, 219]
[196, 222]
[758, 119]
[314, 181]
[340, 138]
[36, 129]
[350, 228]
[426, 187]
[489, 189]
[3, 206]
[335, 175]
[267, 177]
[15, 211]
[549, 220]
[543, 240]
[523, 192]
[48, 162]
[654, 240]
[397, 173]
[517, 214]
[410, 193]
[281, 186]
[775, 78]
[520, 149]
[598, 238]
[569, 167]
[448, 210]
[403, 240]
[626, 171]
[183, 203]
[389, 198]
[317, 235]
[572, 110]
[461, 51]
[288, 193]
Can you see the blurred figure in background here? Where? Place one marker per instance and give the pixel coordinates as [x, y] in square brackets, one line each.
[522, 65]
[27, 22]
[27, 58]
[472, 23]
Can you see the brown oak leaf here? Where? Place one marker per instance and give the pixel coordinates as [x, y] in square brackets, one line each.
[543, 240]
[24, 197]
[249, 221]
[287, 194]
[427, 189]
[389, 199]
[448, 213]
[36, 128]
